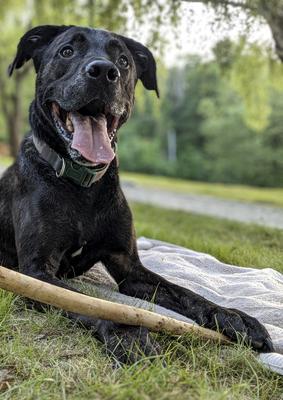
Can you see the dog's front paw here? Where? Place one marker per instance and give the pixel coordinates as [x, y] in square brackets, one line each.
[129, 344]
[235, 323]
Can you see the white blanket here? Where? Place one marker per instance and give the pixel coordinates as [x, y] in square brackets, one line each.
[258, 292]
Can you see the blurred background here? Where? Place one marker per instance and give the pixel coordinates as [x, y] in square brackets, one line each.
[219, 118]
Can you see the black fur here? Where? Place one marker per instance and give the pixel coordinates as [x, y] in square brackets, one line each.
[44, 219]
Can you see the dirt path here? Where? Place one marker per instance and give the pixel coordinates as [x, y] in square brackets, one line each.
[206, 205]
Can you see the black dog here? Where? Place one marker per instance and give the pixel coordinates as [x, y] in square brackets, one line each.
[61, 205]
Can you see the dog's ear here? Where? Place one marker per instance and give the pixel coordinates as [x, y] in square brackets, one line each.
[145, 63]
[33, 43]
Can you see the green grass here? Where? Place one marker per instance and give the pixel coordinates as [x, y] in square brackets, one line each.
[272, 196]
[44, 356]
[5, 161]
[229, 241]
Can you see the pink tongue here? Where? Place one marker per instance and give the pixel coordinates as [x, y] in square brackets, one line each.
[91, 139]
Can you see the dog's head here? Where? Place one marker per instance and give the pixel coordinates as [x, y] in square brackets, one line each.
[85, 85]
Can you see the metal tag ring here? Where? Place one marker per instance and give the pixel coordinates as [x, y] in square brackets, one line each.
[62, 170]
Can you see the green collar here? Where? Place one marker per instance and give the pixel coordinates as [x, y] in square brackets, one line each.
[65, 168]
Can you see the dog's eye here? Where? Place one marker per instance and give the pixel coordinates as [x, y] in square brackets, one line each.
[67, 52]
[123, 61]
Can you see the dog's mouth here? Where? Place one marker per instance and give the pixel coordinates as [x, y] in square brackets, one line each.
[90, 131]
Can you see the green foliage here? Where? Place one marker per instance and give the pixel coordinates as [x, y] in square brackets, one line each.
[250, 75]
[227, 115]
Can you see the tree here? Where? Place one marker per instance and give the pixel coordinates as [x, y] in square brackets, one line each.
[270, 10]
[11, 99]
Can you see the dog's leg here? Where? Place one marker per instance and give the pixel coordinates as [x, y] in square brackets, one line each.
[40, 249]
[125, 343]
[135, 280]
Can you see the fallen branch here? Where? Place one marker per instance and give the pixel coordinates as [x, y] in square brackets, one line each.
[92, 307]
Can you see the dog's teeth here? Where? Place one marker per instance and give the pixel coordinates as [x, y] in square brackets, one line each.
[111, 135]
[69, 124]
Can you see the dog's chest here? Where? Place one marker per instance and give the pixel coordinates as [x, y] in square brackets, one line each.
[88, 235]
[93, 224]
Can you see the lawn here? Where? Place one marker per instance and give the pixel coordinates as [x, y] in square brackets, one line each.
[272, 196]
[5, 161]
[44, 356]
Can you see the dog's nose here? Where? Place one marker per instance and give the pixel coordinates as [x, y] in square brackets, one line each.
[103, 69]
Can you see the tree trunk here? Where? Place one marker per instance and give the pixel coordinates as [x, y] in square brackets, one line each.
[15, 120]
[12, 111]
[273, 14]
[13, 131]
[91, 13]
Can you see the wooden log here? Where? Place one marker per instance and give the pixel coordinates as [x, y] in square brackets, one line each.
[92, 307]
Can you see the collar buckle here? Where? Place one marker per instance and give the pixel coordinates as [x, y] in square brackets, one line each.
[81, 175]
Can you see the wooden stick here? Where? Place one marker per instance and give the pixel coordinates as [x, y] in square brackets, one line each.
[92, 307]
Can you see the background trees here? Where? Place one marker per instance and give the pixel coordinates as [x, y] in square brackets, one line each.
[270, 10]
[217, 120]
[224, 132]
